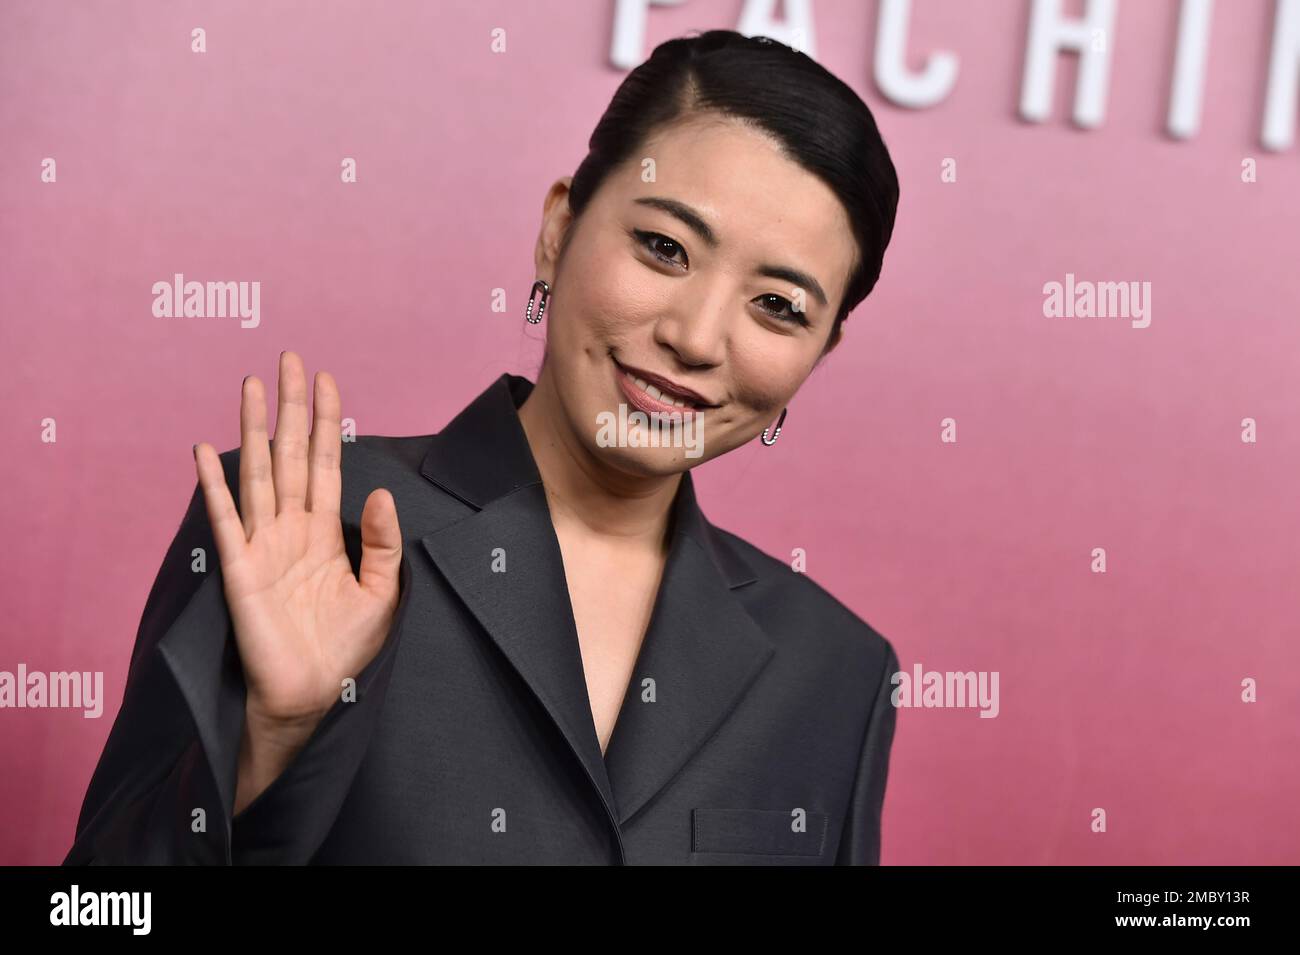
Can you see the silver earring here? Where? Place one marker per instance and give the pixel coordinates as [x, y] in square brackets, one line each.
[777, 433]
[546, 294]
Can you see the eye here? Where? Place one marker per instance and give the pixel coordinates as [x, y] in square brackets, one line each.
[660, 246]
[780, 312]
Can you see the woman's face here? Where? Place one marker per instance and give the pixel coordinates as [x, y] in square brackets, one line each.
[709, 260]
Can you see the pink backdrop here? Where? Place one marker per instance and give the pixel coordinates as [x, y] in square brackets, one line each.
[1119, 690]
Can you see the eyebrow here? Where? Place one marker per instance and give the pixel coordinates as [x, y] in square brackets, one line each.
[696, 223]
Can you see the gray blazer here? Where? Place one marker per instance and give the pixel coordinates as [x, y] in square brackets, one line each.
[756, 728]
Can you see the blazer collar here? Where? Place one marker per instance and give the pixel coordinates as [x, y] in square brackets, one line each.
[700, 653]
[483, 454]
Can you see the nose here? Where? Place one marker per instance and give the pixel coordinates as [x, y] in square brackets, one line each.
[696, 332]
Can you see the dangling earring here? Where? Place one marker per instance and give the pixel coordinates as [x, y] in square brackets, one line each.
[777, 433]
[546, 294]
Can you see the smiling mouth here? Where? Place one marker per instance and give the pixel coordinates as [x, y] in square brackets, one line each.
[651, 397]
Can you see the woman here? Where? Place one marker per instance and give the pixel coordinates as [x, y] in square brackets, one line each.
[550, 656]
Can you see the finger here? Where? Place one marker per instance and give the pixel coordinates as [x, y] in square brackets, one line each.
[324, 475]
[256, 492]
[222, 516]
[289, 449]
[381, 545]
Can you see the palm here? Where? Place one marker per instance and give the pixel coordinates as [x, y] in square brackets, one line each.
[303, 620]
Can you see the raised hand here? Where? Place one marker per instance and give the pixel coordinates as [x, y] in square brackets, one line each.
[303, 621]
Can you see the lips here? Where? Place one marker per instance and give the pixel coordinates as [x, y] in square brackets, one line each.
[663, 394]
[642, 401]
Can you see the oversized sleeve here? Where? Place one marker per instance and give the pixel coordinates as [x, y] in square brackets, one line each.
[860, 838]
[163, 790]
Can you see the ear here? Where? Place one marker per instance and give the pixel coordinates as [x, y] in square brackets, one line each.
[556, 220]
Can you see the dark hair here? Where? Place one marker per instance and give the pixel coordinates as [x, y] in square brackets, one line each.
[822, 124]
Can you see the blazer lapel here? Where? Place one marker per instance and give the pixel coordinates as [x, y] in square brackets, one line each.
[701, 652]
[526, 609]
[701, 649]
[482, 457]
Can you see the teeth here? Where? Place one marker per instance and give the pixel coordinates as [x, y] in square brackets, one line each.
[658, 395]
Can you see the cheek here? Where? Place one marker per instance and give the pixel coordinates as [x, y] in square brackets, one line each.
[610, 293]
[766, 370]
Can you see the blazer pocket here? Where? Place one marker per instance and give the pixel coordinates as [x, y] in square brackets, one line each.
[757, 832]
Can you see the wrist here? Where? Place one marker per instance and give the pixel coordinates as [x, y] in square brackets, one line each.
[266, 748]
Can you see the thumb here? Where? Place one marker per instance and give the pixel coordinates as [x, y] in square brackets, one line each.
[381, 544]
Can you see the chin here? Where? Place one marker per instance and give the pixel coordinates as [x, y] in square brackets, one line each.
[605, 426]
[647, 462]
